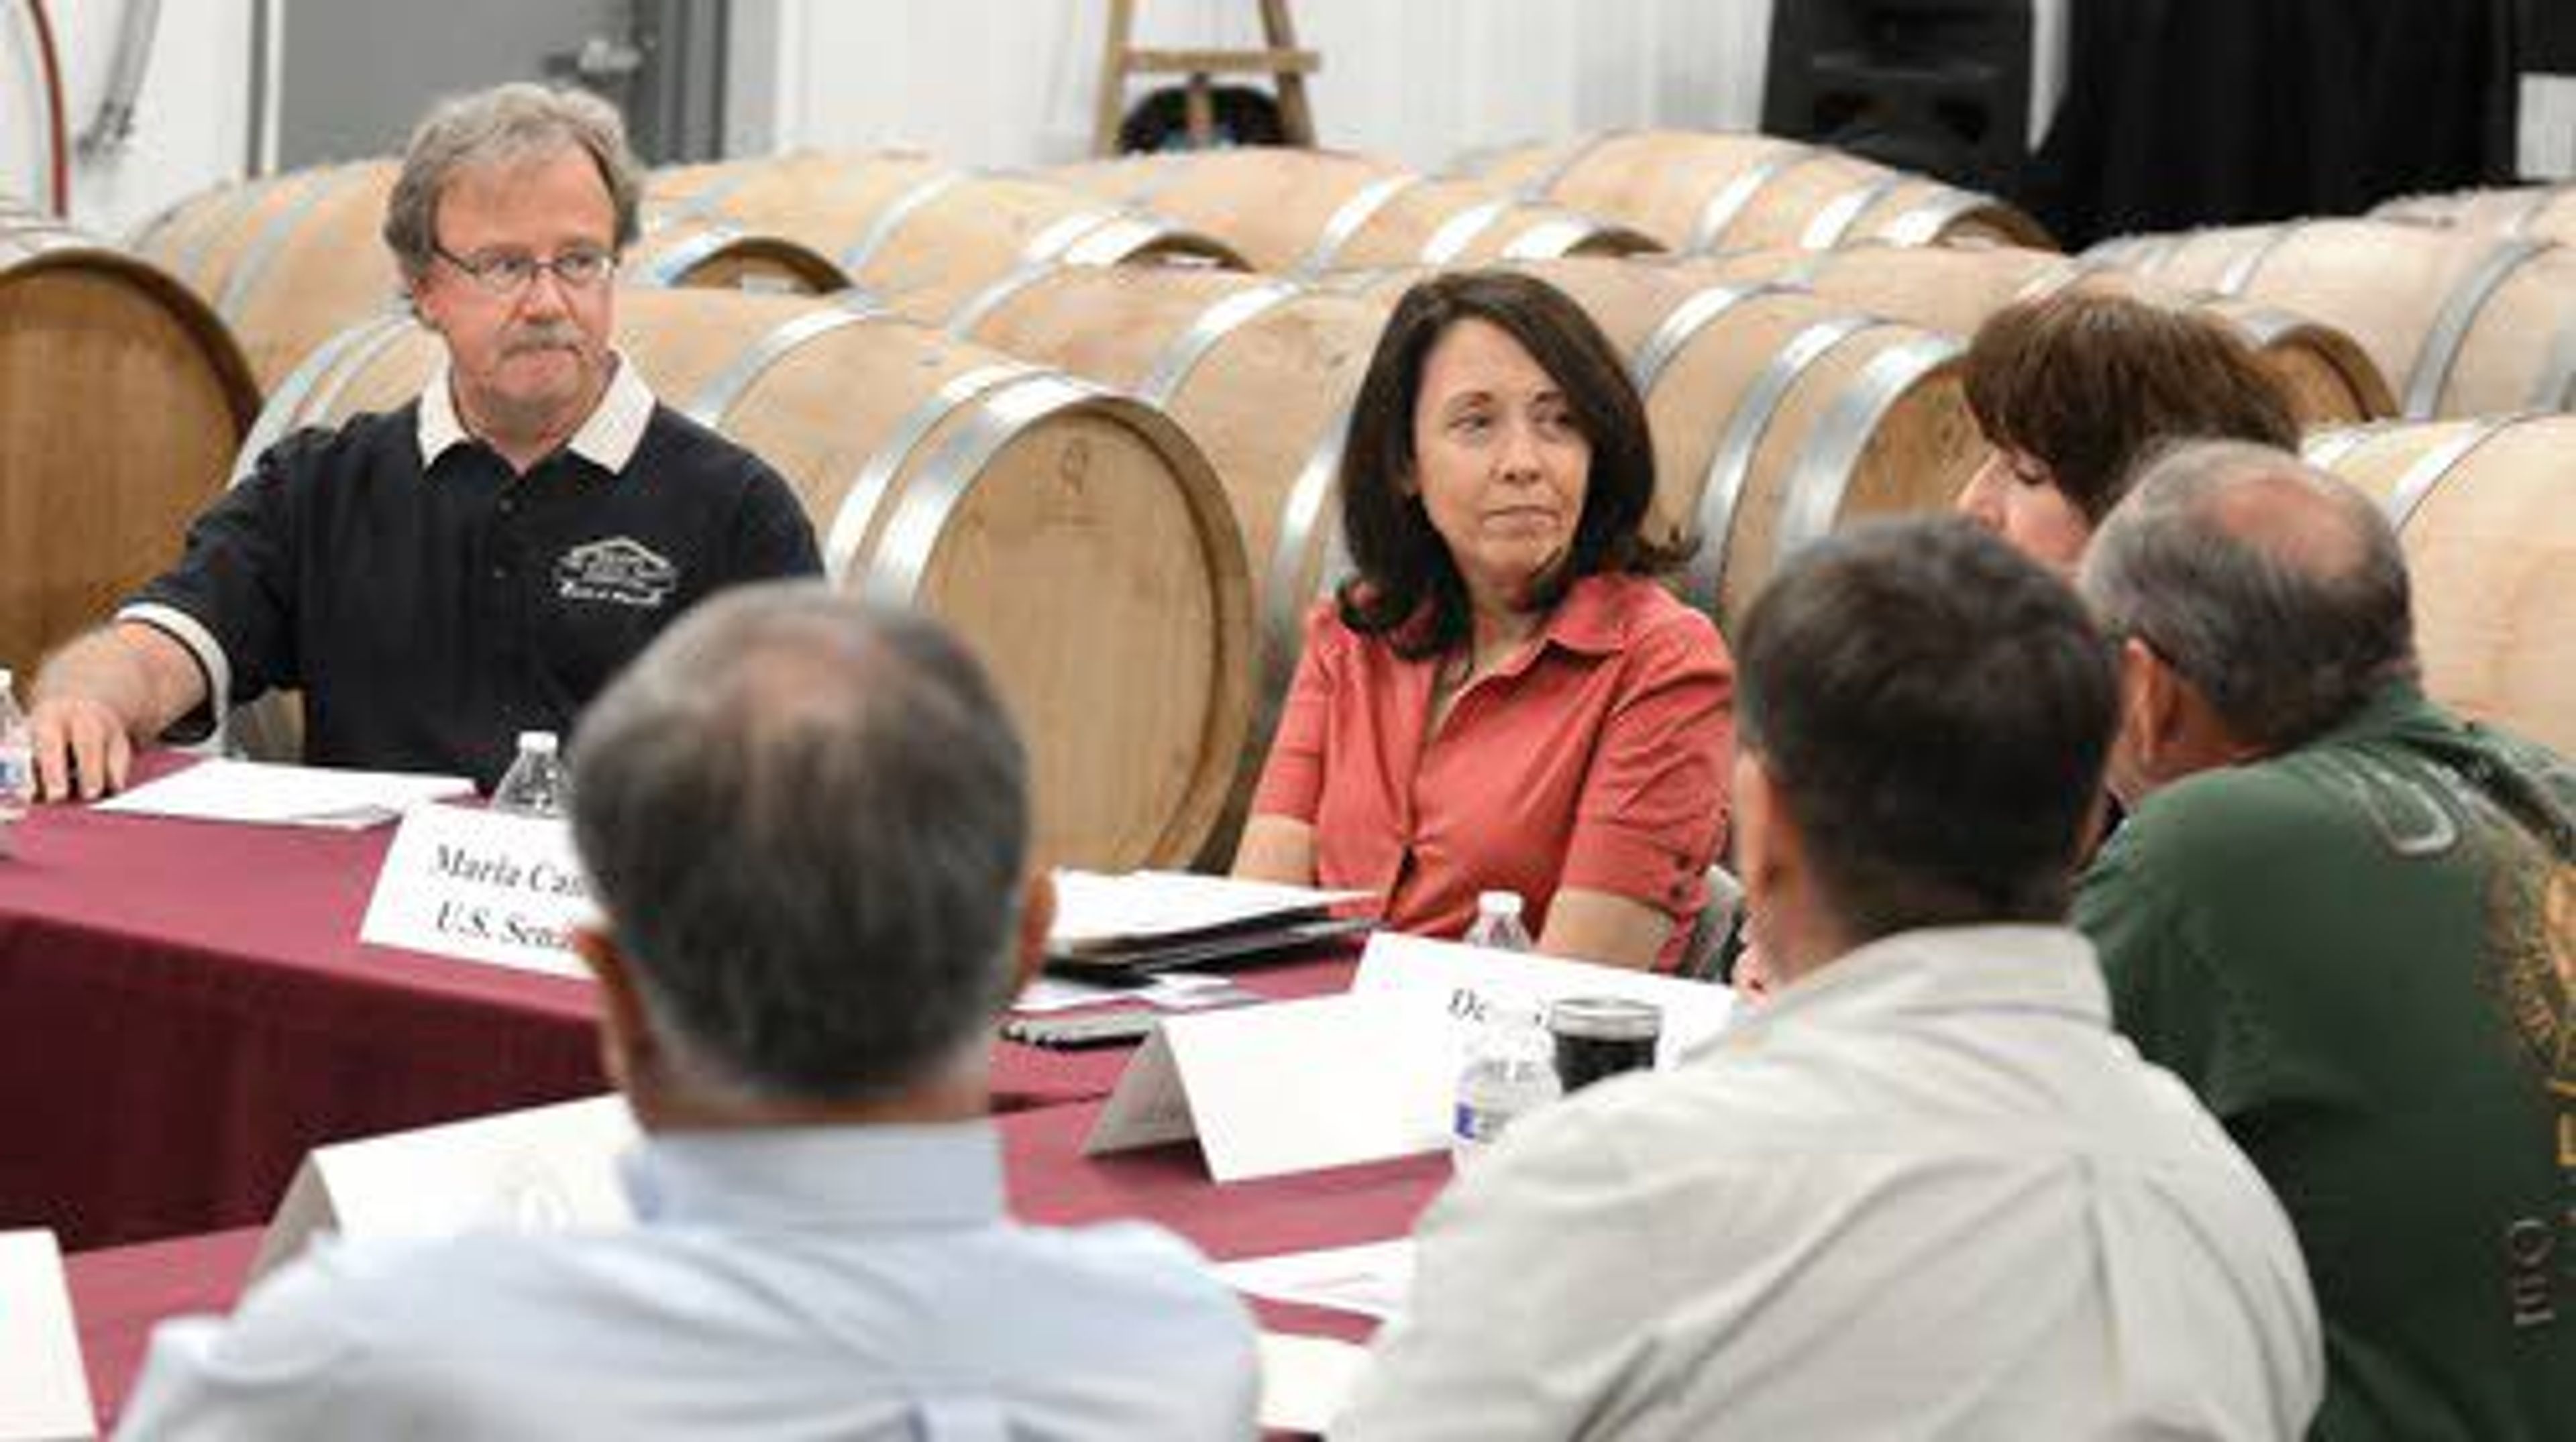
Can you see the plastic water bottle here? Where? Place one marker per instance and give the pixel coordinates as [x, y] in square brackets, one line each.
[1510, 1072]
[1498, 922]
[537, 784]
[17, 760]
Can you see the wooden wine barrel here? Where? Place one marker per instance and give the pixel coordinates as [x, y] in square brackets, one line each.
[1777, 415]
[923, 237]
[2463, 325]
[2487, 516]
[1259, 372]
[2527, 212]
[1076, 539]
[1699, 191]
[293, 260]
[1302, 212]
[2328, 377]
[122, 400]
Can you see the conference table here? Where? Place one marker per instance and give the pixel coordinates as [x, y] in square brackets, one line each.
[186, 1010]
[120, 1293]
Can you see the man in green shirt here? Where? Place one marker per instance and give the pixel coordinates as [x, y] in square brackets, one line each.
[2348, 920]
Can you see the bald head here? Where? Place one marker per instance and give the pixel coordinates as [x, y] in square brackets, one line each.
[2275, 589]
[807, 820]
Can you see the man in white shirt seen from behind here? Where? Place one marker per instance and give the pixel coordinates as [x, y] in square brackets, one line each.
[807, 824]
[1925, 1192]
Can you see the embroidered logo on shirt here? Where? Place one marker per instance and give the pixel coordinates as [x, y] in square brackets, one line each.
[620, 571]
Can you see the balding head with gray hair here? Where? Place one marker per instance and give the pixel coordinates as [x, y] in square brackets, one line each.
[505, 126]
[807, 819]
[2276, 589]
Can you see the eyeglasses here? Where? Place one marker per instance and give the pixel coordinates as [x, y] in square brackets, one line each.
[509, 275]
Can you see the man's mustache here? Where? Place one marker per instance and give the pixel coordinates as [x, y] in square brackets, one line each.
[544, 337]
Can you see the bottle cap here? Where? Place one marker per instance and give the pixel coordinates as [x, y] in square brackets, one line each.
[1605, 1018]
[541, 742]
[1498, 903]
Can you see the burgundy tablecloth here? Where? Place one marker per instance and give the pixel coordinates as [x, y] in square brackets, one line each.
[118, 1294]
[185, 1009]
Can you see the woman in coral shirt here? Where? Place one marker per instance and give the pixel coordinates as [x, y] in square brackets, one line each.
[1502, 697]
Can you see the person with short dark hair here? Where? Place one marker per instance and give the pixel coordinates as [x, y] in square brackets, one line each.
[1502, 697]
[806, 823]
[1926, 1190]
[2074, 388]
[2348, 919]
[437, 578]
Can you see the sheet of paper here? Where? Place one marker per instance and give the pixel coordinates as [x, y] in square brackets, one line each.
[1093, 908]
[1306, 1382]
[1371, 1279]
[44, 1390]
[263, 793]
[482, 886]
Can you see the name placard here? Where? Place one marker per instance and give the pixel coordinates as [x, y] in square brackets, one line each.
[549, 1168]
[44, 1390]
[482, 886]
[1450, 986]
[1331, 1081]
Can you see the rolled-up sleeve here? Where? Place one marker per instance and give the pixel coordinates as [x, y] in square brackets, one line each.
[1292, 778]
[1653, 811]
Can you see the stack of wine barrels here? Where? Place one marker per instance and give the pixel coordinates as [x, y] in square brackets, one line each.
[1305, 212]
[2326, 374]
[122, 401]
[1697, 192]
[2462, 322]
[922, 237]
[2533, 212]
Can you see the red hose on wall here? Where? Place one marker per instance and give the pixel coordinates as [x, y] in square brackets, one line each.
[59, 128]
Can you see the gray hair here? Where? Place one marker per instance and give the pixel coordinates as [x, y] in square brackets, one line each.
[806, 819]
[2275, 588]
[505, 125]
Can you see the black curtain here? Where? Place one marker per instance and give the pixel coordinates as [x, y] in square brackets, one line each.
[2198, 112]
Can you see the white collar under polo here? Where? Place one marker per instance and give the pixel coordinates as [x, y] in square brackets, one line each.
[608, 438]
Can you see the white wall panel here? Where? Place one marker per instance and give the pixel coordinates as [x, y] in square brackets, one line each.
[191, 124]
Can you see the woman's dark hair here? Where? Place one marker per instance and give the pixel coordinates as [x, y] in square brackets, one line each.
[2088, 383]
[1406, 585]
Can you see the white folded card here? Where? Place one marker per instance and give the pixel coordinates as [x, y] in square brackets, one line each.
[1332, 1081]
[268, 794]
[483, 886]
[547, 1168]
[44, 1390]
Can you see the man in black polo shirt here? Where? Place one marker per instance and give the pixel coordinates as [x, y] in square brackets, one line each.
[479, 562]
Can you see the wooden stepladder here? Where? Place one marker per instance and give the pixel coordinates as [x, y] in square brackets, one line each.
[1279, 58]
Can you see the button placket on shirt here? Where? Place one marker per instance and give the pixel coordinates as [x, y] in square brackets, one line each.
[514, 576]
